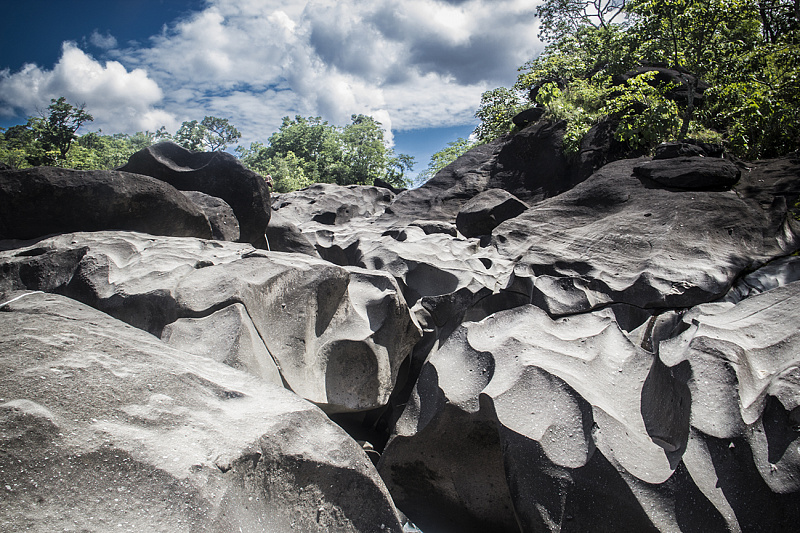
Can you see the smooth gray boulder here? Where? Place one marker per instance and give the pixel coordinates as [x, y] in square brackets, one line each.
[337, 335]
[332, 205]
[546, 397]
[217, 174]
[227, 336]
[743, 373]
[284, 236]
[435, 226]
[104, 426]
[41, 201]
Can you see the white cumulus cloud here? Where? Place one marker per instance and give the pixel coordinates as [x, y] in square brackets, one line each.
[410, 64]
[119, 100]
[105, 42]
[416, 64]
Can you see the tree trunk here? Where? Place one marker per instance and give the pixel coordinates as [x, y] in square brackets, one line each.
[691, 86]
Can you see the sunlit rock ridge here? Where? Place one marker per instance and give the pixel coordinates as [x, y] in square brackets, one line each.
[528, 342]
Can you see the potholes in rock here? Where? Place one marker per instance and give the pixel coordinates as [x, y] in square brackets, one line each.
[427, 280]
[329, 218]
[33, 252]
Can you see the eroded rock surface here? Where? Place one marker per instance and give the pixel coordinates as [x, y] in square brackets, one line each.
[104, 426]
[615, 239]
[337, 335]
[618, 355]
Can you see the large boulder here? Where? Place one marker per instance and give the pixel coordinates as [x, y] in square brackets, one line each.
[217, 174]
[332, 205]
[105, 427]
[697, 173]
[337, 335]
[284, 236]
[530, 165]
[617, 239]
[41, 201]
[485, 211]
[224, 226]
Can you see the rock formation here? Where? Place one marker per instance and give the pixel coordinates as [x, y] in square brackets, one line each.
[217, 174]
[530, 342]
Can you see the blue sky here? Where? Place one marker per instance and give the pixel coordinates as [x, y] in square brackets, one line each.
[417, 66]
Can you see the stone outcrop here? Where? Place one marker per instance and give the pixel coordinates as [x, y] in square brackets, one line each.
[217, 174]
[527, 342]
[697, 173]
[486, 210]
[336, 335]
[45, 200]
[224, 225]
[104, 426]
[617, 239]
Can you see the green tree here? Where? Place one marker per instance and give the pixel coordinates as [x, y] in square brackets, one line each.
[19, 147]
[496, 110]
[559, 19]
[212, 133]
[57, 128]
[694, 36]
[780, 20]
[46, 139]
[309, 150]
[219, 133]
[286, 170]
[747, 50]
[444, 157]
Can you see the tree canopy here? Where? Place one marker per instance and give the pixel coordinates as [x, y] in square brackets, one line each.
[747, 51]
[309, 150]
[212, 134]
[46, 139]
[302, 152]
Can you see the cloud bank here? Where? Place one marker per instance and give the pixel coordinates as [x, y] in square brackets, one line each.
[411, 64]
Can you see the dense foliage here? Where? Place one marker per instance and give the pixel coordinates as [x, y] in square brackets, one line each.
[46, 139]
[444, 157]
[303, 151]
[309, 150]
[747, 51]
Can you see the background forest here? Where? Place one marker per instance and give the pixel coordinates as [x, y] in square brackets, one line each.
[737, 84]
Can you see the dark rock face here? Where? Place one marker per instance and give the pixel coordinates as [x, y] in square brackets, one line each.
[284, 236]
[224, 226]
[617, 351]
[486, 210]
[214, 173]
[45, 200]
[698, 173]
[528, 116]
[530, 165]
